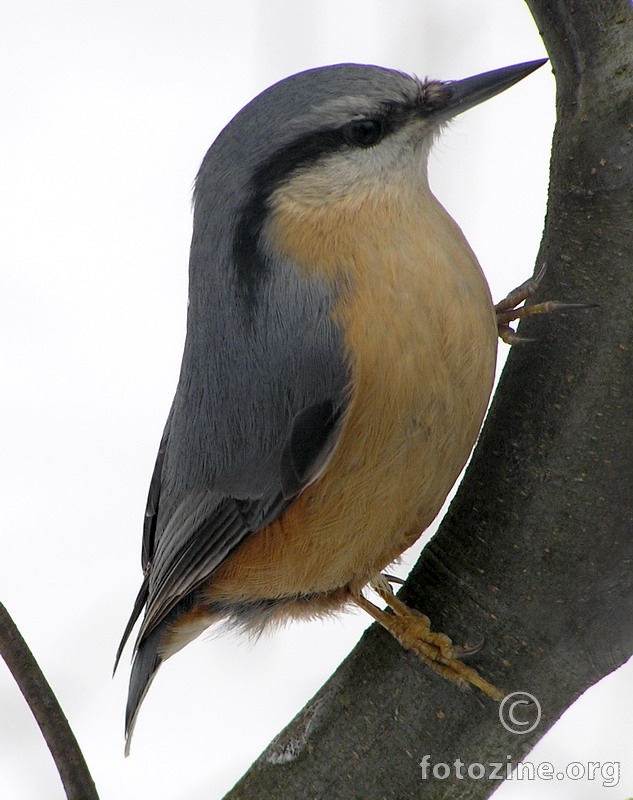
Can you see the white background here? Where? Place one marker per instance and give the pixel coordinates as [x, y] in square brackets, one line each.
[107, 109]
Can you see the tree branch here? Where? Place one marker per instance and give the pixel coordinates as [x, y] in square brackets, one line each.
[56, 731]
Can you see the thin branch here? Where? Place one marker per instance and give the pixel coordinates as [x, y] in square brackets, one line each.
[37, 692]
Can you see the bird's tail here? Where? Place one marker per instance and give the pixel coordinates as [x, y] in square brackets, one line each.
[146, 662]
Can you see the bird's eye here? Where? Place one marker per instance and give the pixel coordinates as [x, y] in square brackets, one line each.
[365, 132]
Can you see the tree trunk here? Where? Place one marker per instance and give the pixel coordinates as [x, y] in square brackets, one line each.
[535, 555]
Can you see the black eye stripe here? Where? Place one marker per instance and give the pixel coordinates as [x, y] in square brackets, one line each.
[250, 266]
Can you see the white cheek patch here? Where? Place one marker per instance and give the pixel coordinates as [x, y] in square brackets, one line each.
[401, 157]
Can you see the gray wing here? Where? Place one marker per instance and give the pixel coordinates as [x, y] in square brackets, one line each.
[255, 419]
[206, 528]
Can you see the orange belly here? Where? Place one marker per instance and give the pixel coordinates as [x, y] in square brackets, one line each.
[421, 337]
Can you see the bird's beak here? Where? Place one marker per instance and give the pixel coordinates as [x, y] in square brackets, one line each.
[453, 97]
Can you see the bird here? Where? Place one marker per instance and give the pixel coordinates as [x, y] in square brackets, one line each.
[339, 358]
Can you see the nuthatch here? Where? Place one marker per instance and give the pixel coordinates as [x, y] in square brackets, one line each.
[339, 359]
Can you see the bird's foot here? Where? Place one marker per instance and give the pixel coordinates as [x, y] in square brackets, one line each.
[510, 307]
[413, 631]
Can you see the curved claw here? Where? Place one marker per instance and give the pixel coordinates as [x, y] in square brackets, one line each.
[463, 651]
[510, 308]
[393, 579]
[412, 629]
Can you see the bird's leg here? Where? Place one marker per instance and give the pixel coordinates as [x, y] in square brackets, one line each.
[507, 310]
[413, 631]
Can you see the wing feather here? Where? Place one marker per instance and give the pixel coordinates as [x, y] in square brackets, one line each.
[254, 421]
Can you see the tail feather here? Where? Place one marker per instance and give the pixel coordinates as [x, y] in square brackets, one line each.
[146, 662]
[141, 600]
